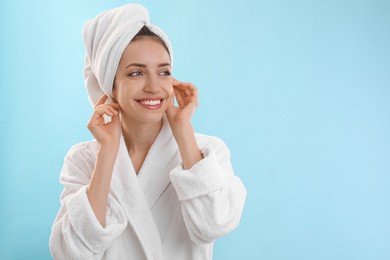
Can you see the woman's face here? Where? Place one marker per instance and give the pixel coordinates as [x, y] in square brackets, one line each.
[143, 81]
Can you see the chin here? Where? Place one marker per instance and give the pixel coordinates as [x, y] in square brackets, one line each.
[151, 117]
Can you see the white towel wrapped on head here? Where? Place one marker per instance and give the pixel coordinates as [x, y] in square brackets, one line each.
[105, 38]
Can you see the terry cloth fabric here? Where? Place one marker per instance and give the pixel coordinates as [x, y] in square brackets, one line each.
[164, 212]
[105, 38]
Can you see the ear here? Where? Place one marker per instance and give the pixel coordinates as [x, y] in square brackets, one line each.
[113, 94]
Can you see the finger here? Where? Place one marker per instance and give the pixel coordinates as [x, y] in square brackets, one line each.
[171, 99]
[192, 100]
[115, 118]
[186, 85]
[101, 100]
[175, 81]
[179, 98]
[100, 111]
[193, 89]
[192, 107]
[110, 108]
[182, 90]
[186, 93]
[113, 105]
[188, 88]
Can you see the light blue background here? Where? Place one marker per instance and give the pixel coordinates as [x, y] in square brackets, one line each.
[299, 90]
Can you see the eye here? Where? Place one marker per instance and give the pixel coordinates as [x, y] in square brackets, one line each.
[135, 74]
[165, 73]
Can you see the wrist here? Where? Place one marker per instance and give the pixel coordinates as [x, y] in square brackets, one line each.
[182, 127]
[188, 146]
[108, 150]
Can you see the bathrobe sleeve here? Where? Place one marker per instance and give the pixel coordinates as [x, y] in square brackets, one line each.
[212, 197]
[76, 232]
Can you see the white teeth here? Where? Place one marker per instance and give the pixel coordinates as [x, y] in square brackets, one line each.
[151, 102]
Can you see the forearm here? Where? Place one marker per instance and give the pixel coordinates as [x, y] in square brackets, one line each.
[211, 187]
[189, 150]
[99, 185]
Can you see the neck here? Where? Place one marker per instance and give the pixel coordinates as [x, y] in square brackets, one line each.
[139, 136]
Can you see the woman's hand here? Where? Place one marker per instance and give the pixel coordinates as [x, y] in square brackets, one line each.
[180, 121]
[105, 134]
[187, 98]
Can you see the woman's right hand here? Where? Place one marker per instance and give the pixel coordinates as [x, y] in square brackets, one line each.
[105, 134]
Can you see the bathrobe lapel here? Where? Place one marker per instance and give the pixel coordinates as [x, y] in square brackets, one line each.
[138, 194]
[162, 157]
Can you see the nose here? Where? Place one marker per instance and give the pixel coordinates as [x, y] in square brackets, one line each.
[152, 85]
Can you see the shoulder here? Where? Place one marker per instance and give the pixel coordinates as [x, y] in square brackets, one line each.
[79, 162]
[83, 151]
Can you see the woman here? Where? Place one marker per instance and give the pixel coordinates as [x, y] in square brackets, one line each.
[147, 186]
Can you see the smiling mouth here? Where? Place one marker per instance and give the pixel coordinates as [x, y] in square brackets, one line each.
[150, 104]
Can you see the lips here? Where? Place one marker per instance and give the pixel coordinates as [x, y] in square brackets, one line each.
[151, 103]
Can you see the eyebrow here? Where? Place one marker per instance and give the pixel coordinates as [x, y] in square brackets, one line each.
[144, 65]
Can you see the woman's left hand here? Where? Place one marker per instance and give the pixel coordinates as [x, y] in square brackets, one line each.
[180, 121]
[187, 98]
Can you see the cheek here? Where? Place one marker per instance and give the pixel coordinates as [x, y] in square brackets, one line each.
[123, 98]
[127, 90]
[168, 87]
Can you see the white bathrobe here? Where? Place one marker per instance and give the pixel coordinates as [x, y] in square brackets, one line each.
[164, 212]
